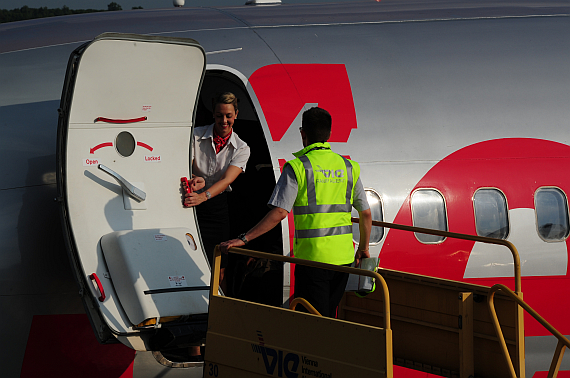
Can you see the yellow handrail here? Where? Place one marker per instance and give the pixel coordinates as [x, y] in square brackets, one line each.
[447, 234]
[562, 341]
[482, 239]
[314, 264]
[305, 303]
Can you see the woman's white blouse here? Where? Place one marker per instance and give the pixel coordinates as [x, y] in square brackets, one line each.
[211, 166]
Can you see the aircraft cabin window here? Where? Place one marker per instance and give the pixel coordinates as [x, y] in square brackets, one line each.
[551, 208]
[491, 213]
[428, 211]
[375, 203]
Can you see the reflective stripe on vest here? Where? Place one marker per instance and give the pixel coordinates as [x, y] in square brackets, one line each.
[320, 232]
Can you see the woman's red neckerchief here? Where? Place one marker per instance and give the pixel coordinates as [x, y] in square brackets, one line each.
[220, 142]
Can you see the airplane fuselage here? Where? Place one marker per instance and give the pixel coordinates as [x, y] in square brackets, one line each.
[445, 102]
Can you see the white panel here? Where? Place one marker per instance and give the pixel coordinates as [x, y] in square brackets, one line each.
[142, 262]
[538, 258]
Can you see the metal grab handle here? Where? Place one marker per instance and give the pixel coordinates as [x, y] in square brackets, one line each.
[131, 190]
[563, 342]
[99, 286]
[305, 303]
[110, 120]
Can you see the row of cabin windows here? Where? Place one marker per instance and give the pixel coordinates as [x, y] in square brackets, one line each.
[491, 214]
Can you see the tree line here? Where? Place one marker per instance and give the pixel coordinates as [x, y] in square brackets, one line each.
[27, 13]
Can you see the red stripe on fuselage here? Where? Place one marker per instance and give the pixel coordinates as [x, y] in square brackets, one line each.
[544, 374]
[65, 346]
[518, 167]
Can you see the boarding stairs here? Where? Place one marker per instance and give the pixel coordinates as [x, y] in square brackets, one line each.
[443, 327]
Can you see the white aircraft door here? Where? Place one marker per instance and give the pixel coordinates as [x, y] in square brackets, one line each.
[124, 141]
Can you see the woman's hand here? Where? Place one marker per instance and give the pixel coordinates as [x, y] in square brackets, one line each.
[194, 199]
[197, 183]
[190, 197]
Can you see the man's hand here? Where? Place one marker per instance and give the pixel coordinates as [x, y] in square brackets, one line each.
[270, 220]
[360, 254]
[225, 246]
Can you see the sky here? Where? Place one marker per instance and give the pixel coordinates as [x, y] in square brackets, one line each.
[128, 4]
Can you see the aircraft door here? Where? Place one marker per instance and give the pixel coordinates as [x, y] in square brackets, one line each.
[124, 141]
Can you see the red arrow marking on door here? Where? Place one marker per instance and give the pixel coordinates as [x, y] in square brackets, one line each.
[145, 146]
[108, 144]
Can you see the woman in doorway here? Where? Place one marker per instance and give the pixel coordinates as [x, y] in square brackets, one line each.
[219, 157]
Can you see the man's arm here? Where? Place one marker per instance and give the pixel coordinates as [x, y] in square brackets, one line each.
[282, 198]
[365, 227]
[271, 219]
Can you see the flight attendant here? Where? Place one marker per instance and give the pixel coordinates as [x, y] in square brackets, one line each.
[219, 157]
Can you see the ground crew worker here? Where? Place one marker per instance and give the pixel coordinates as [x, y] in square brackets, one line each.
[321, 187]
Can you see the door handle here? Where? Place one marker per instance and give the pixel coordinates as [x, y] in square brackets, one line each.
[99, 286]
[131, 190]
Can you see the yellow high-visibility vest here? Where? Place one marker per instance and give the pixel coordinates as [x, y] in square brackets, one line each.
[323, 229]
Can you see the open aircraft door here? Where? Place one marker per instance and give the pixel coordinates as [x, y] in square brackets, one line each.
[124, 139]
